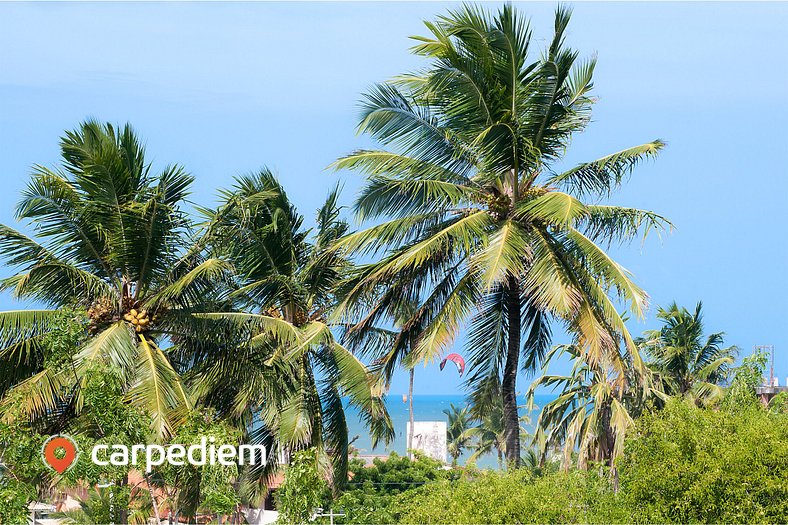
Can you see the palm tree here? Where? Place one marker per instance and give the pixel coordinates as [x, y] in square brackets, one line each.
[687, 364]
[111, 239]
[472, 199]
[391, 348]
[459, 430]
[273, 361]
[593, 410]
[396, 303]
[98, 508]
[486, 407]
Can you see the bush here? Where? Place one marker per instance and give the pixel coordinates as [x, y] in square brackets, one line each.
[748, 376]
[512, 497]
[371, 489]
[303, 489]
[687, 464]
[394, 474]
[779, 403]
[683, 464]
[14, 498]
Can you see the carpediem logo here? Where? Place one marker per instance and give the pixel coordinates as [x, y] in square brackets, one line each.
[60, 452]
[206, 452]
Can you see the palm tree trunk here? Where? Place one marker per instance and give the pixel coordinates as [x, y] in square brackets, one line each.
[614, 472]
[153, 501]
[124, 512]
[511, 419]
[410, 412]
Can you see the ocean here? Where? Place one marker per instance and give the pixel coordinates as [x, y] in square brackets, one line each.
[425, 408]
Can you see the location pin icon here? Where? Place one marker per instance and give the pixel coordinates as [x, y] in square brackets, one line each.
[59, 452]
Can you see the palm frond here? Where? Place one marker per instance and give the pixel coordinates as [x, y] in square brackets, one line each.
[506, 254]
[114, 345]
[555, 208]
[609, 224]
[158, 389]
[605, 174]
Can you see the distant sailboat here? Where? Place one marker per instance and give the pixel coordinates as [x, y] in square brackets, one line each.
[404, 398]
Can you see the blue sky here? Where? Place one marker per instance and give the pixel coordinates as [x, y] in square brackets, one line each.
[226, 88]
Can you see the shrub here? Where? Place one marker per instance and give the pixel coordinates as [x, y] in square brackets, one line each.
[683, 464]
[512, 497]
[394, 474]
[748, 376]
[779, 403]
[303, 489]
[687, 464]
[371, 489]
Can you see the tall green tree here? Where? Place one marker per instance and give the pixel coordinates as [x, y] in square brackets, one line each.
[460, 430]
[486, 408]
[391, 349]
[473, 199]
[273, 360]
[688, 363]
[110, 238]
[594, 408]
[395, 347]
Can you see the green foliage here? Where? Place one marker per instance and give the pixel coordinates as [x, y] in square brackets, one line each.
[207, 487]
[746, 378]
[372, 488]
[686, 363]
[106, 418]
[15, 495]
[474, 212]
[709, 466]
[459, 430]
[283, 365]
[511, 497]
[395, 474]
[304, 488]
[67, 332]
[683, 464]
[489, 434]
[779, 403]
[21, 453]
[24, 474]
[589, 419]
[101, 506]
[361, 507]
[107, 411]
[109, 242]
[479, 226]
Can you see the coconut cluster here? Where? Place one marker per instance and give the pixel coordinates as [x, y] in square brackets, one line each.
[105, 310]
[139, 319]
[100, 312]
[274, 312]
[300, 318]
[498, 205]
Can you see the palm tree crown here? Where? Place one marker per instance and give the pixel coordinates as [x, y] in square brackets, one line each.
[459, 430]
[272, 353]
[688, 364]
[593, 410]
[475, 206]
[110, 238]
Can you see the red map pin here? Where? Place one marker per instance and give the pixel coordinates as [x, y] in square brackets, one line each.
[59, 452]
